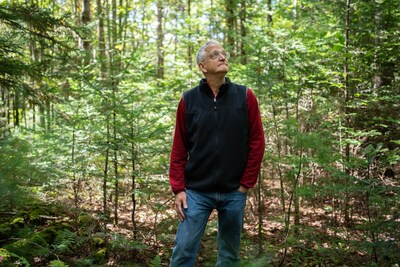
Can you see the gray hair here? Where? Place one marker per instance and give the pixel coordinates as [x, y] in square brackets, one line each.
[201, 54]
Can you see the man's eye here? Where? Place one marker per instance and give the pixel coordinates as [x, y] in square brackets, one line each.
[214, 54]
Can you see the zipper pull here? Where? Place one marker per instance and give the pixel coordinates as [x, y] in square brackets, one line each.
[215, 103]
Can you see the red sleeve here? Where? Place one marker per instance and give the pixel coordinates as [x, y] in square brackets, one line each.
[179, 156]
[256, 142]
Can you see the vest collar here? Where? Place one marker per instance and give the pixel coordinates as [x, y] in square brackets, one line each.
[203, 85]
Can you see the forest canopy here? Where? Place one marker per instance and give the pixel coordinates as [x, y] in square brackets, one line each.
[88, 95]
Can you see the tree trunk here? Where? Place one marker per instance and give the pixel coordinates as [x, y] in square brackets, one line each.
[16, 109]
[269, 16]
[48, 116]
[260, 214]
[75, 185]
[160, 39]
[190, 46]
[116, 174]
[279, 151]
[243, 33]
[101, 57]
[230, 6]
[105, 176]
[133, 177]
[3, 112]
[296, 198]
[86, 18]
[113, 70]
[102, 44]
[347, 98]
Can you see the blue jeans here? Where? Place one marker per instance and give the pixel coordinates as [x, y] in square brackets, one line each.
[230, 207]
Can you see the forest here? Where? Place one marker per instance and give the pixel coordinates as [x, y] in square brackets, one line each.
[88, 96]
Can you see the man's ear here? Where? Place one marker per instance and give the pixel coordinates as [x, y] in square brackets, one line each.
[202, 67]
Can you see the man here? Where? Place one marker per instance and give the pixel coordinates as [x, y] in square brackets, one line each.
[216, 156]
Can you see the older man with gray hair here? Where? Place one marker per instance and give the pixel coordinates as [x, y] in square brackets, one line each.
[216, 156]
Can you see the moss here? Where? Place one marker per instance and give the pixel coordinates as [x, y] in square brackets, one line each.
[17, 222]
[35, 246]
[23, 214]
[98, 241]
[85, 220]
[99, 256]
[57, 263]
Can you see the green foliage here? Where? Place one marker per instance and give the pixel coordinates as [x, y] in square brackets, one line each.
[5, 230]
[67, 242]
[156, 262]
[99, 256]
[58, 263]
[29, 247]
[121, 243]
[19, 176]
[23, 25]
[331, 136]
[11, 259]
[35, 241]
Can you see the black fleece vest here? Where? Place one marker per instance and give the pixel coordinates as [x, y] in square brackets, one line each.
[217, 137]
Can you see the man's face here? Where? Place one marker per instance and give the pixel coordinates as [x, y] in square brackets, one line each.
[215, 61]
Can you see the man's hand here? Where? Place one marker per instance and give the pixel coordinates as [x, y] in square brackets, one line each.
[180, 201]
[243, 189]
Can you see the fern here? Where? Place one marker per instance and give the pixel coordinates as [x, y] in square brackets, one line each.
[84, 262]
[8, 258]
[65, 241]
[156, 262]
[119, 242]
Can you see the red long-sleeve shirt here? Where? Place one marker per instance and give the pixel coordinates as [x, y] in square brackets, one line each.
[256, 145]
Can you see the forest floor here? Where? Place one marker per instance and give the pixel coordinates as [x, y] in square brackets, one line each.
[82, 237]
[321, 239]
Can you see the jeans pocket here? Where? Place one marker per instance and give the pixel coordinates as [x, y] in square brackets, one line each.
[244, 193]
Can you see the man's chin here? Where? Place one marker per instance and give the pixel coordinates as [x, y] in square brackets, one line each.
[222, 70]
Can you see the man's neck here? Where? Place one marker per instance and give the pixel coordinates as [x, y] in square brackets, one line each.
[215, 83]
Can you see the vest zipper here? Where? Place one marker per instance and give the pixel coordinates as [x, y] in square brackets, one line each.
[216, 144]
